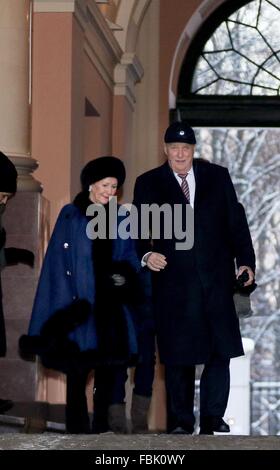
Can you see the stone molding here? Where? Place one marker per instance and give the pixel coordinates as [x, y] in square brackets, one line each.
[100, 44]
[54, 6]
[127, 73]
[25, 167]
[119, 70]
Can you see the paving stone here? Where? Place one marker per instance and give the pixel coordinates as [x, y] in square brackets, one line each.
[13, 438]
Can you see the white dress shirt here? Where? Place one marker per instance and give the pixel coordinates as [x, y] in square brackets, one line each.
[191, 183]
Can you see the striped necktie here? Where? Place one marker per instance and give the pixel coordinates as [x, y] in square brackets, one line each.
[185, 187]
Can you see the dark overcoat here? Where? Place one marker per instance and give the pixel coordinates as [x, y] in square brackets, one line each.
[68, 276]
[193, 295]
[3, 346]
[2, 328]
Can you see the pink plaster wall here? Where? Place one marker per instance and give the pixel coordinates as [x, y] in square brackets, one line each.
[91, 135]
[122, 145]
[63, 138]
[77, 108]
[51, 105]
[97, 130]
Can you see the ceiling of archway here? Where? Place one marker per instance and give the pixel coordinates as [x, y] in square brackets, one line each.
[124, 18]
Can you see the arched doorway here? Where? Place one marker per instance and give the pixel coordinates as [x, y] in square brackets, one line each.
[229, 90]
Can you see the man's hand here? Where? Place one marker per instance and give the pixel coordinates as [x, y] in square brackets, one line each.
[156, 261]
[250, 273]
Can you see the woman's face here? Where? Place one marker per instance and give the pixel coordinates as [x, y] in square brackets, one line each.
[101, 191]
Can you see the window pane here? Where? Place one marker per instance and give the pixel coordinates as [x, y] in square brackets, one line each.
[244, 50]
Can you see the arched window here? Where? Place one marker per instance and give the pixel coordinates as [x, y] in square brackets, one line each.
[229, 90]
[232, 68]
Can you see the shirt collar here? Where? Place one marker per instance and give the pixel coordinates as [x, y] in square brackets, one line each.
[190, 172]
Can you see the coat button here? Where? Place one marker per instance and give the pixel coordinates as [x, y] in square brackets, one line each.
[68, 273]
[66, 245]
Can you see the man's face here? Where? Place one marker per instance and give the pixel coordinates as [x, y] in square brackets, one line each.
[180, 156]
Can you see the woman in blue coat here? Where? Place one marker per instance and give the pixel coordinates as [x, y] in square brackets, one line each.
[83, 314]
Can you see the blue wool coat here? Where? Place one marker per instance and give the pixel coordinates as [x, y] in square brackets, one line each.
[68, 275]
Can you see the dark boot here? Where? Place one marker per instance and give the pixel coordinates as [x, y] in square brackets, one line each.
[117, 419]
[34, 425]
[76, 411]
[139, 413]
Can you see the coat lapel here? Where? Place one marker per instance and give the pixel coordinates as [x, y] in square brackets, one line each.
[202, 181]
[170, 189]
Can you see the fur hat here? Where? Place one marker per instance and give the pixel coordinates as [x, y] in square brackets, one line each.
[8, 175]
[100, 168]
[179, 132]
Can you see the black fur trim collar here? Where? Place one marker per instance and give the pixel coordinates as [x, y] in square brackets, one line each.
[82, 201]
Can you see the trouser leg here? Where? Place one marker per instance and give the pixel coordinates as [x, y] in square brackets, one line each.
[145, 370]
[180, 387]
[101, 400]
[109, 395]
[118, 380]
[116, 412]
[77, 419]
[214, 388]
[143, 381]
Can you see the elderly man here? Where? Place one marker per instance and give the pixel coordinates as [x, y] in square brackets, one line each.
[196, 320]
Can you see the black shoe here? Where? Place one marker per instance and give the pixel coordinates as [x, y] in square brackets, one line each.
[77, 430]
[77, 424]
[5, 405]
[206, 430]
[219, 425]
[213, 424]
[100, 420]
[99, 427]
[180, 430]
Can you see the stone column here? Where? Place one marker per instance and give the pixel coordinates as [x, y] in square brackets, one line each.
[127, 73]
[15, 86]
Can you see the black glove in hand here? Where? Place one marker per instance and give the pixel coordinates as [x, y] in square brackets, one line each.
[19, 255]
[239, 284]
[125, 282]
